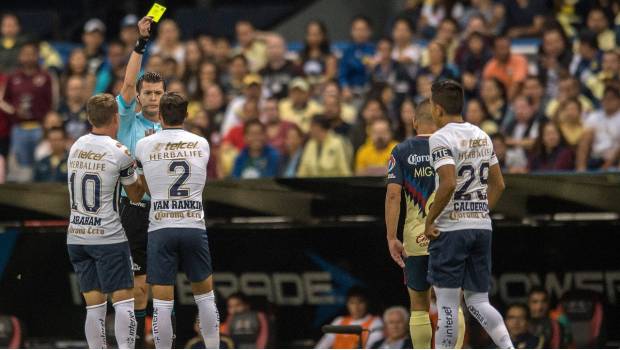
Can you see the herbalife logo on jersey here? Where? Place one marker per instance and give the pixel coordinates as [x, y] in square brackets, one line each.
[415, 159]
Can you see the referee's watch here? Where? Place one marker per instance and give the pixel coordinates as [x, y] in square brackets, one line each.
[141, 45]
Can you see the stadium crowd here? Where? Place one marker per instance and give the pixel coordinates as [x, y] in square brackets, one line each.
[268, 111]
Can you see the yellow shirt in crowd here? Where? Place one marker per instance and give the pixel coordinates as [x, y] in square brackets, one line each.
[371, 160]
[325, 160]
[301, 117]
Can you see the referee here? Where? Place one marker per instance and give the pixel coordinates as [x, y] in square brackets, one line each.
[144, 92]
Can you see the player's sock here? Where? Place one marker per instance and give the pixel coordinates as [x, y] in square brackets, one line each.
[489, 318]
[174, 327]
[162, 323]
[462, 326]
[94, 327]
[420, 329]
[447, 319]
[125, 324]
[209, 319]
[141, 325]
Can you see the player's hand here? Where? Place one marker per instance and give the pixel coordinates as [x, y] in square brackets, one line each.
[397, 252]
[144, 26]
[431, 232]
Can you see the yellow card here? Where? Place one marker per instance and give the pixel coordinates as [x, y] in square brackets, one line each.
[156, 12]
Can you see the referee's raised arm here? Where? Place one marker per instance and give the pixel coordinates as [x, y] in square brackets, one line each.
[128, 90]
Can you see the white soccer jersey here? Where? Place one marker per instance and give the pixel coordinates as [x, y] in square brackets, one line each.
[174, 163]
[470, 150]
[96, 166]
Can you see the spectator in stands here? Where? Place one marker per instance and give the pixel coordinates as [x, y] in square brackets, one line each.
[236, 135]
[249, 45]
[214, 104]
[77, 64]
[405, 126]
[10, 42]
[170, 70]
[372, 109]
[610, 71]
[569, 87]
[601, 138]
[29, 96]
[524, 18]
[278, 71]
[348, 111]
[569, 119]
[206, 45]
[372, 157]
[352, 72]
[472, 60]
[298, 107]
[357, 308]
[257, 159]
[517, 319]
[423, 84]
[535, 92]
[252, 91]
[598, 23]
[507, 67]
[434, 12]
[554, 57]
[385, 69]
[447, 35]
[232, 80]
[168, 44]
[293, 150]
[191, 76]
[93, 39]
[72, 108]
[495, 99]
[404, 51]
[332, 112]
[550, 151]
[511, 160]
[276, 128]
[541, 325]
[248, 329]
[587, 61]
[5, 119]
[318, 63]
[155, 63]
[129, 34]
[396, 321]
[113, 68]
[522, 131]
[325, 154]
[53, 168]
[476, 113]
[438, 67]
[221, 53]
[208, 75]
[51, 121]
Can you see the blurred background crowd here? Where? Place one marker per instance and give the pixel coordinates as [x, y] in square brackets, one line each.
[271, 108]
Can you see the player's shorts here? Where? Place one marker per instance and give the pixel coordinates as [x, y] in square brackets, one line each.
[461, 259]
[104, 267]
[135, 220]
[416, 270]
[169, 246]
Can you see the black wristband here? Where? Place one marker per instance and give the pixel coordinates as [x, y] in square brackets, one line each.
[141, 45]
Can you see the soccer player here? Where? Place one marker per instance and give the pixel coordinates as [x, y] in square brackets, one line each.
[468, 182]
[409, 168]
[96, 242]
[134, 126]
[174, 166]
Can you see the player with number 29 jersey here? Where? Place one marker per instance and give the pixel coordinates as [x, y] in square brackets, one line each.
[470, 150]
[174, 163]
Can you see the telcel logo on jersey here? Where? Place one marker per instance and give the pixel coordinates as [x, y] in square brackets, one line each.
[415, 159]
[89, 155]
[173, 146]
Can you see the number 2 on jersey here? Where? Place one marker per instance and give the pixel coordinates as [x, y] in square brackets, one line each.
[176, 190]
[469, 171]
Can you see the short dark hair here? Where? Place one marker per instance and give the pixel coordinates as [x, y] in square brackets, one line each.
[522, 306]
[589, 38]
[449, 95]
[56, 129]
[362, 18]
[239, 57]
[173, 108]
[100, 109]
[240, 296]
[538, 290]
[321, 121]
[250, 123]
[406, 21]
[150, 77]
[357, 292]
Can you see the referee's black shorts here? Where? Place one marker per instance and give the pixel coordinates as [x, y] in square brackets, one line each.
[135, 220]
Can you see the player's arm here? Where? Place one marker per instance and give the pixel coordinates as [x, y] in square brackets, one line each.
[131, 183]
[128, 90]
[495, 185]
[144, 184]
[444, 192]
[392, 213]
